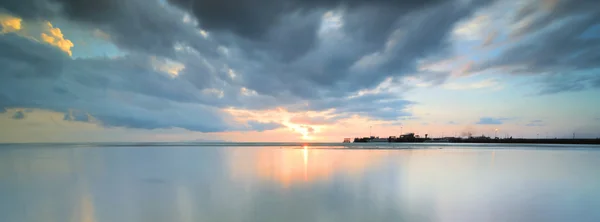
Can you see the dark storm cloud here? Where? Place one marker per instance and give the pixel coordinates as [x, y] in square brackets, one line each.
[30, 9]
[253, 19]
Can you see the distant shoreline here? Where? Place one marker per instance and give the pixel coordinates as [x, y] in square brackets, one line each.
[417, 141]
[492, 141]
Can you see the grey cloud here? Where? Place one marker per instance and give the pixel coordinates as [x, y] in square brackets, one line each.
[253, 19]
[76, 115]
[596, 82]
[325, 70]
[19, 115]
[30, 9]
[491, 121]
[261, 126]
[544, 13]
[132, 24]
[304, 119]
[535, 123]
[17, 52]
[557, 83]
[107, 93]
[381, 106]
[490, 39]
[558, 50]
[274, 48]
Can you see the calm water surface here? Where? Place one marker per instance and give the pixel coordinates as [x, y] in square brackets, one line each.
[263, 184]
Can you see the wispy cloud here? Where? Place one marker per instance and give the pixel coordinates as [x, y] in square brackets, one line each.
[484, 84]
[491, 121]
[535, 123]
[263, 126]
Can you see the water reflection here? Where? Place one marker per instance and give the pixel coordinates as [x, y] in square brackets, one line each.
[270, 184]
[289, 166]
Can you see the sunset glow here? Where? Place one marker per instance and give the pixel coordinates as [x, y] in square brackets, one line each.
[291, 166]
[121, 73]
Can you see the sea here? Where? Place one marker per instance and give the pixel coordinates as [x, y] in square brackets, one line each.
[298, 182]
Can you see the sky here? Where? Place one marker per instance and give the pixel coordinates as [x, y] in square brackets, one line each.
[297, 70]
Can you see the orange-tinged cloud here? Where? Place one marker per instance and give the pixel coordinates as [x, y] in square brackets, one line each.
[303, 123]
[10, 23]
[56, 38]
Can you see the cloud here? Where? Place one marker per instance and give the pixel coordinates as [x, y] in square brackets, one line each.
[185, 61]
[249, 21]
[124, 92]
[76, 115]
[491, 121]
[47, 32]
[9, 23]
[537, 15]
[304, 119]
[309, 129]
[394, 44]
[261, 126]
[54, 37]
[19, 115]
[487, 83]
[131, 24]
[452, 123]
[546, 39]
[535, 123]
[557, 83]
[490, 39]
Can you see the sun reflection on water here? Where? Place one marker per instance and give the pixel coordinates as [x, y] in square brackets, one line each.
[288, 166]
